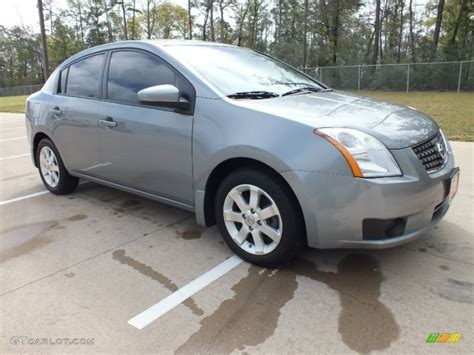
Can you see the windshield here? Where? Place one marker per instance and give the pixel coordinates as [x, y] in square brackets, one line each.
[237, 70]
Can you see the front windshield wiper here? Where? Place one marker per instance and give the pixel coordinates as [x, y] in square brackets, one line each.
[258, 95]
[254, 95]
[301, 90]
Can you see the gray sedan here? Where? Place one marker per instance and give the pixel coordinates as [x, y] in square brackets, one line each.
[275, 158]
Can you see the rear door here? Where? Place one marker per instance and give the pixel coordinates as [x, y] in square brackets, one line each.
[145, 147]
[75, 113]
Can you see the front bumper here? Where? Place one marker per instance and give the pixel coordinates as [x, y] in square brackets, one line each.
[339, 210]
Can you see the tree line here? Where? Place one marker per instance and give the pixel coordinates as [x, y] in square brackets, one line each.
[304, 33]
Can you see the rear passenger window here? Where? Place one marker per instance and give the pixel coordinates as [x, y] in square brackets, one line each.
[84, 75]
[131, 72]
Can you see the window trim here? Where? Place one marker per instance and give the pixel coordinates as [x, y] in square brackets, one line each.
[105, 78]
[99, 85]
[59, 81]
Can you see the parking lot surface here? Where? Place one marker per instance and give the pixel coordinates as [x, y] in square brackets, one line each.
[81, 266]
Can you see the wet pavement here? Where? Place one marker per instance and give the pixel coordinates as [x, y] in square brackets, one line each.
[81, 266]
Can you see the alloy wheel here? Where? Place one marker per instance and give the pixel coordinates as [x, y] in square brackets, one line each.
[252, 219]
[49, 166]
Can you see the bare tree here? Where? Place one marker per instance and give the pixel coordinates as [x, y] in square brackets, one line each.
[150, 17]
[77, 14]
[223, 4]
[134, 14]
[243, 12]
[48, 6]
[305, 34]
[412, 34]
[400, 30]
[124, 18]
[107, 9]
[43, 41]
[210, 4]
[280, 15]
[190, 20]
[206, 18]
[335, 30]
[255, 8]
[462, 9]
[439, 20]
[375, 53]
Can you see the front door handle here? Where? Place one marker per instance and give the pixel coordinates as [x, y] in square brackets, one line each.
[108, 123]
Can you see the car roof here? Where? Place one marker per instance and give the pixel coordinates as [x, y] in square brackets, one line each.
[143, 43]
[183, 42]
[160, 43]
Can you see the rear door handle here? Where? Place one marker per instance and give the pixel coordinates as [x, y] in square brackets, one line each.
[56, 111]
[108, 123]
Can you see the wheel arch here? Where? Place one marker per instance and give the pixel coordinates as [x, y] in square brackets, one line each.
[36, 139]
[225, 168]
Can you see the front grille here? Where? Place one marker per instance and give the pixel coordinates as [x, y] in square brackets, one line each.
[432, 153]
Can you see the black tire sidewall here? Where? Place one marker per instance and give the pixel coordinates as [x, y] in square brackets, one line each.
[67, 183]
[293, 235]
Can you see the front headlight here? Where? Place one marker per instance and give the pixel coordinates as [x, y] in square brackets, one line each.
[366, 155]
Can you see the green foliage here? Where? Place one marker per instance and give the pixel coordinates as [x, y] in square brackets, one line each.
[301, 32]
[171, 21]
[63, 43]
[20, 62]
[459, 27]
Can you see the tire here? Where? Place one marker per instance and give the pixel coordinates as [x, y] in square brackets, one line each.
[52, 171]
[245, 227]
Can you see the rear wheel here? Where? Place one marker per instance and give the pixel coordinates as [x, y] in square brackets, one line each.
[259, 218]
[52, 171]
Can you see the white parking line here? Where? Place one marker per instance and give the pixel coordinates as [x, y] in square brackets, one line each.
[21, 198]
[141, 320]
[12, 139]
[16, 156]
[16, 199]
[12, 128]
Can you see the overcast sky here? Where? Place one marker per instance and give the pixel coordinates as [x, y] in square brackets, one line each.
[18, 12]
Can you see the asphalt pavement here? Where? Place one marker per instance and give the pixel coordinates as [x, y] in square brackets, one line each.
[76, 269]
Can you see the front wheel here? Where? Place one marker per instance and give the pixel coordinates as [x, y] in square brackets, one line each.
[52, 171]
[258, 217]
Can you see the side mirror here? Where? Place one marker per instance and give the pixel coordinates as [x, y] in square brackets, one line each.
[159, 93]
[163, 95]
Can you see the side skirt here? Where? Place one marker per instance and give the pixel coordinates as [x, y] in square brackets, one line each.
[134, 191]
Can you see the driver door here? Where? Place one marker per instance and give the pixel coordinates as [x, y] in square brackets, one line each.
[144, 147]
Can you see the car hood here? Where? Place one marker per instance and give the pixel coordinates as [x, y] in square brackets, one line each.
[396, 126]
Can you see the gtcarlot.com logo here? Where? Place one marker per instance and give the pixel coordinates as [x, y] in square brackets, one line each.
[26, 340]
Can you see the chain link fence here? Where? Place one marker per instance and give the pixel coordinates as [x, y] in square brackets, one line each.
[434, 76]
[20, 90]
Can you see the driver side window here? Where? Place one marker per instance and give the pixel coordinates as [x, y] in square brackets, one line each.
[130, 72]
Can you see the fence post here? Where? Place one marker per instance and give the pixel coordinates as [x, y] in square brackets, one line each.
[358, 80]
[321, 74]
[408, 77]
[459, 77]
